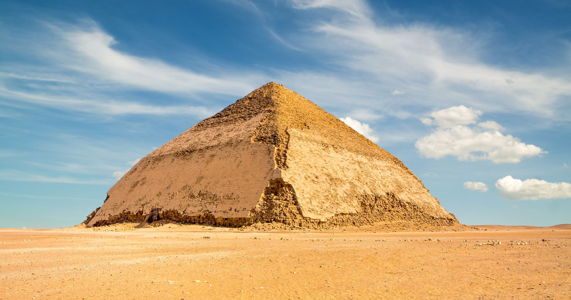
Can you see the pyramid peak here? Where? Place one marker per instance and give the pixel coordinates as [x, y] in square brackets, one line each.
[272, 85]
[271, 88]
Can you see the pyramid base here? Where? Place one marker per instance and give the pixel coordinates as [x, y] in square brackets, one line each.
[279, 205]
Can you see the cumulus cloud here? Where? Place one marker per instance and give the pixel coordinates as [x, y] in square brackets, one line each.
[491, 125]
[476, 186]
[456, 135]
[455, 115]
[362, 128]
[532, 189]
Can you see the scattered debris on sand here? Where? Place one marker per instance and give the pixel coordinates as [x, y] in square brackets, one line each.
[176, 262]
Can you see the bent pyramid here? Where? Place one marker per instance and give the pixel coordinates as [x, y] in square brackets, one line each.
[273, 156]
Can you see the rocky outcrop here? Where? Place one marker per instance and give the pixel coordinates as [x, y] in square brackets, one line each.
[273, 156]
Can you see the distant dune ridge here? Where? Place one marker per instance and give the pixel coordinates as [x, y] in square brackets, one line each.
[271, 157]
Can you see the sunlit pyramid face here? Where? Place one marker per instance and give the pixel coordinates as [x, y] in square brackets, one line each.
[273, 156]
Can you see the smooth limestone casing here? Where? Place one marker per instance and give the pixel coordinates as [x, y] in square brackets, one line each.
[329, 181]
[271, 156]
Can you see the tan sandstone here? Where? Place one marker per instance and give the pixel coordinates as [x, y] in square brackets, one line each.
[271, 157]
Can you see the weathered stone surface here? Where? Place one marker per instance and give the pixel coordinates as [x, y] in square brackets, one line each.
[273, 156]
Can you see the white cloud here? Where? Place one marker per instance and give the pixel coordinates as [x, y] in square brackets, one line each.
[79, 159]
[427, 121]
[134, 162]
[532, 189]
[471, 144]
[92, 52]
[355, 8]
[455, 115]
[15, 175]
[281, 40]
[83, 71]
[120, 173]
[476, 186]
[491, 125]
[456, 136]
[52, 77]
[441, 66]
[247, 5]
[362, 128]
[365, 114]
[105, 107]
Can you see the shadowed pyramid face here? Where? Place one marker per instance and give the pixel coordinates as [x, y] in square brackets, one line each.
[273, 156]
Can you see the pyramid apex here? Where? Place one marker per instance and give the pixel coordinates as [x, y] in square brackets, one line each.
[272, 86]
[272, 90]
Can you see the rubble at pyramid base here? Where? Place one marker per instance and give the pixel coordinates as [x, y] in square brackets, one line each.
[271, 157]
[375, 210]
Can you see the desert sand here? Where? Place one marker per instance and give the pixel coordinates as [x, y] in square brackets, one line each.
[198, 262]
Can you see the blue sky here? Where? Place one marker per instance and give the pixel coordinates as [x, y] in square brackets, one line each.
[473, 96]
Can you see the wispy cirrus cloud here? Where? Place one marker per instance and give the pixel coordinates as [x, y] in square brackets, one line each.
[73, 159]
[82, 71]
[357, 9]
[425, 66]
[102, 106]
[431, 66]
[92, 51]
[16, 175]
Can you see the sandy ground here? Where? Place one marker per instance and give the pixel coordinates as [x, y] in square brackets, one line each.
[195, 262]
